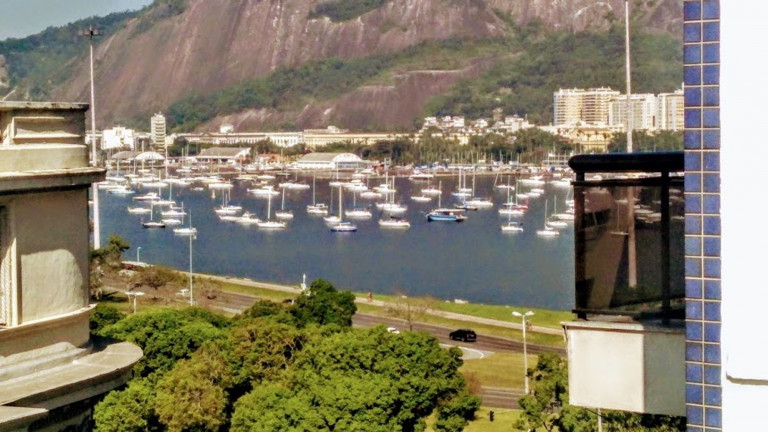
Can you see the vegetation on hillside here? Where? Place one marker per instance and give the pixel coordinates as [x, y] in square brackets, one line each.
[345, 10]
[281, 367]
[524, 84]
[35, 63]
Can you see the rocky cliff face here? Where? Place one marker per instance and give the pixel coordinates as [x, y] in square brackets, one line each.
[214, 44]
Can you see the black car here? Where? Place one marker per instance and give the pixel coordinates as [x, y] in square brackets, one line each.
[465, 335]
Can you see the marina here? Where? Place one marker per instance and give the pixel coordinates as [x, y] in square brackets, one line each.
[471, 261]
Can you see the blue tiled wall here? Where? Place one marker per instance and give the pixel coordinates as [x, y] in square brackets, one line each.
[701, 76]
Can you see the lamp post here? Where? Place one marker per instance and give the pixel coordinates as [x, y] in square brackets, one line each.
[191, 297]
[525, 345]
[90, 33]
[138, 254]
[134, 294]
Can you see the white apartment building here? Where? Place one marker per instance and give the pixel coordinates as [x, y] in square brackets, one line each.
[670, 111]
[643, 111]
[578, 105]
[157, 129]
[118, 138]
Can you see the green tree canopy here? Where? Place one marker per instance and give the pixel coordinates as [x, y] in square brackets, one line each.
[324, 304]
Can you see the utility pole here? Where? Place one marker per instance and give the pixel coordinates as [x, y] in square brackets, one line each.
[90, 33]
[631, 239]
[629, 79]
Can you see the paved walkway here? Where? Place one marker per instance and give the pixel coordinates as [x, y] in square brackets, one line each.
[433, 312]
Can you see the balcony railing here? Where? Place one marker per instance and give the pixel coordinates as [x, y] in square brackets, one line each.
[629, 235]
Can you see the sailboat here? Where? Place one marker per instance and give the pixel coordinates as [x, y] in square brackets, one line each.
[554, 221]
[343, 226]
[511, 226]
[445, 214]
[226, 208]
[476, 201]
[510, 208]
[283, 213]
[152, 223]
[333, 218]
[271, 224]
[358, 212]
[188, 230]
[390, 206]
[462, 191]
[547, 231]
[315, 208]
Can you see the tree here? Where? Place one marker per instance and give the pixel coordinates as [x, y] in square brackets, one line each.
[323, 305]
[127, 410]
[155, 276]
[103, 316]
[453, 416]
[410, 309]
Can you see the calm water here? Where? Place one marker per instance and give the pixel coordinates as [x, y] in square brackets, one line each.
[472, 260]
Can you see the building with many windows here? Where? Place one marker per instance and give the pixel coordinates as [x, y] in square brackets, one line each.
[578, 105]
[669, 111]
[157, 130]
[643, 111]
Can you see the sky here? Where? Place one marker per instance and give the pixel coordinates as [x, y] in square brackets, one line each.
[20, 18]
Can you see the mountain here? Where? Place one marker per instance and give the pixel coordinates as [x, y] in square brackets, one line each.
[302, 63]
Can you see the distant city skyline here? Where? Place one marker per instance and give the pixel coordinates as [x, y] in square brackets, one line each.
[21, 18]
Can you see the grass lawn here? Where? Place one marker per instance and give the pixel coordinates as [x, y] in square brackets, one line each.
[498, 370]
[503, 419]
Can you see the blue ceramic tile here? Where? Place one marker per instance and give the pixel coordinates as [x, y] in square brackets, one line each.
[713, 396]
[711, 96]
[712, 375]
[692, 96]
[695, 415]
[713, 417]
[711, 161]
[693, 351]
[712, 246]
[711, 139]
[694, 372]
[692, 54]
[712, 353]
[692, 161]
[691, 10]
[712, 290]
[694, 429]
[693, 289]
[693, 310]
[692, 244]
[712, 268]
[711, 9]
[693, 267]
[711, 117]
[692, 139]
[692, 182]
[712, 204]
[712, 311]
[692, 204]
[711, 225]
[711, 182]
[693, 394]
[692, 333]
[692, 224]
[711, 332]
[692, 32]
[692, 117]
[711, 31]
[692, 75]
[711, 53]
[711, 74]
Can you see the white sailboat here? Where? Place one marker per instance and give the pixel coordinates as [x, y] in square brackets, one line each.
[188, 230]
[445, 214]
[358, 212]
[547, 231]
[152, 223]
[333, 218]
[554, 221]
[315, 208]
[283, 213]
[226, 208]
[271, 224]
[343, 226]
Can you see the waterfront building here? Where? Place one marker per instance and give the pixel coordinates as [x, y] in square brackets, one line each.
[711, 366]
[118, 138]
[643, 111]
[331, 161]
[157, 125]
[225, 137]
[225, 155]
[51, 372]
[576, 105]
[317, 138]
[670, 111]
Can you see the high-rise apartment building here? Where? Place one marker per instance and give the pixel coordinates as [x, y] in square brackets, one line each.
[579, 105]
[670, 110]
[643, 111]
[158, 130]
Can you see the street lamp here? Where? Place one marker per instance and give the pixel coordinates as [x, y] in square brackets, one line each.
[525, 345]
[191, 296]
[138, 254]
[90, 33]
[134, 294]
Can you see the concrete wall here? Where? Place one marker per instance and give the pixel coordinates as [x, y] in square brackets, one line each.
[52, 251]
[743, 156]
